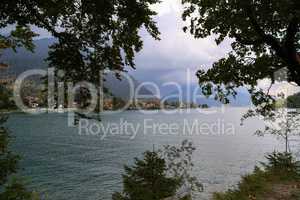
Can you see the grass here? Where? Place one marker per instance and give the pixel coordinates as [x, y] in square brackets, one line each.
[277, 180]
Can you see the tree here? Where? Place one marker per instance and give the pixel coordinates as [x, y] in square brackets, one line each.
[265, 38]
[8, 160]
[147, 180]
[284, 124]
[11, 189]
[5, 98]
[180, 164]
[162, 174]
[92, 35]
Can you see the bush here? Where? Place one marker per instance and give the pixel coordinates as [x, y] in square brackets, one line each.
[282, 165]
[5, 99]
[280, 168]
[147, 180]
[160, 175]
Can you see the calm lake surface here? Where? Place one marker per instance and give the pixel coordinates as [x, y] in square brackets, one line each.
[61, 164]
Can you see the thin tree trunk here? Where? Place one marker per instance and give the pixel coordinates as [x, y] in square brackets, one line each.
[286, 143]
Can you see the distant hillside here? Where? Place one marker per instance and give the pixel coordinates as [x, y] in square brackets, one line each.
[121, 88]
[25, 60]
[242, 99]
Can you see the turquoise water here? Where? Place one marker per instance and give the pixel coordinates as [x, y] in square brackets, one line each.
[61, 164]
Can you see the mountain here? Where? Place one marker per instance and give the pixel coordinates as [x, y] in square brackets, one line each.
[193, 94]
[23, 60]
[126, 87]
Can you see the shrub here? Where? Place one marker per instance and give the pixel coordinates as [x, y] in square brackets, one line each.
[281, 167]
[161, 175]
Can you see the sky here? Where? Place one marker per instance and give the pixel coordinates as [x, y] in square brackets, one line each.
[177, 51]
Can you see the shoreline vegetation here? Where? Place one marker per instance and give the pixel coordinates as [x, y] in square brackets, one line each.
[276, 179]
[279, 179]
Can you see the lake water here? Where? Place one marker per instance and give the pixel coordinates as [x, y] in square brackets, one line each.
[61, 164]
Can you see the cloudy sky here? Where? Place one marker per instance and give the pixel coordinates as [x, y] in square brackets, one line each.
[176, 52]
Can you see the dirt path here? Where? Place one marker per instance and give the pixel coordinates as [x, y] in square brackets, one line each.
[289, 191]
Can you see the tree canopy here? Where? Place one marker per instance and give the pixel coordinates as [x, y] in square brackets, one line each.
[5, 98]
[163, 174]
[11, 188]
[265, 36]
[148, 180]
[92, 35]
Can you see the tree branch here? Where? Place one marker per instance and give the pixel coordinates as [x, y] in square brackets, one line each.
[290, 38]
[247, 41]
[40, 19]
[292, 30]
[268, 39]
[285, 51]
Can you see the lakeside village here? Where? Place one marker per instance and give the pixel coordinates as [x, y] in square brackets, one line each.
[34, 97]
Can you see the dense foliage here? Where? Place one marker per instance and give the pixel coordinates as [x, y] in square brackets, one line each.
[163, 174]
[92, 35]
[147, 180]
[6, 101]
[265, 37]
[10, 187]
[8, 160]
